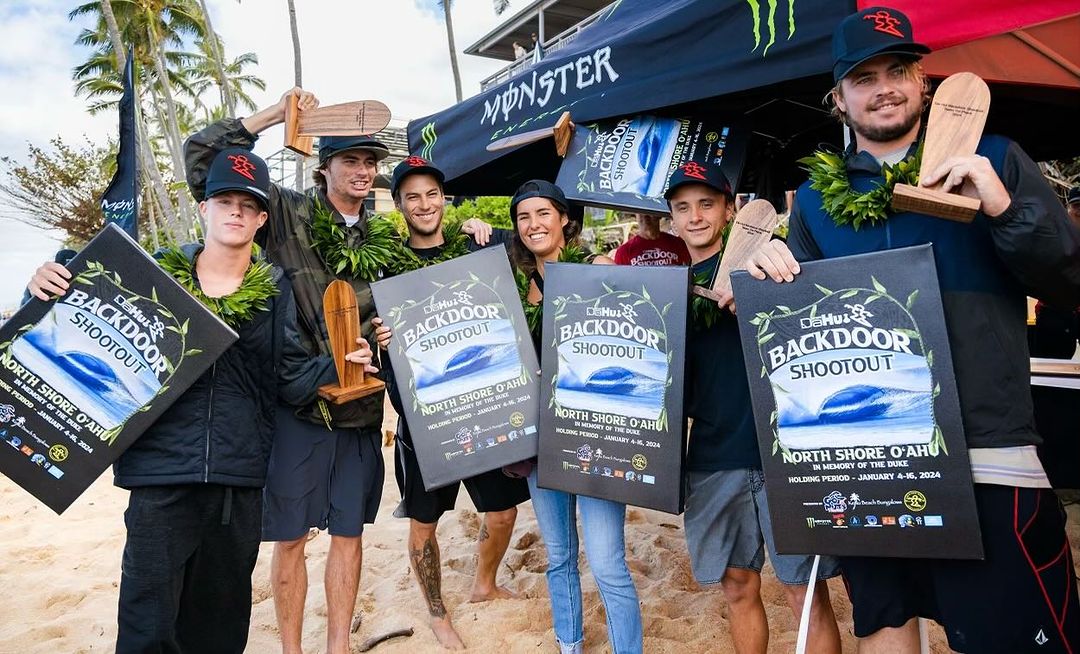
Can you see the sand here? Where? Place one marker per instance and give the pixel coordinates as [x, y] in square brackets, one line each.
[61, 574]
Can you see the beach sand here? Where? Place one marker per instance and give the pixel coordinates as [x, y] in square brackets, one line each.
[60, 576]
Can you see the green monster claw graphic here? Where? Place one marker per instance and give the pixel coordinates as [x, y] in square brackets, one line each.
[755, 9]
[430, 137]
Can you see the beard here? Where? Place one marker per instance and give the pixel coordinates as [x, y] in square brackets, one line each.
[885, 133]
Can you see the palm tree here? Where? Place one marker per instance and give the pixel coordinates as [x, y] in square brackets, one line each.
[203, 72]
[446, 5]
[298, 80]
[217, 56]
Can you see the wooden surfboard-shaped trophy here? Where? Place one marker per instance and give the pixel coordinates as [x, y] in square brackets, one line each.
[343, 326]
[562, 131]
[346, 119]
[753, 226]
[953, 128]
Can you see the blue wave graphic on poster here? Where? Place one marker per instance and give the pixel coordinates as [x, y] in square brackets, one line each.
[892, 405]
[643, 155]
[106, 383]
[625, 386]
[489, 357]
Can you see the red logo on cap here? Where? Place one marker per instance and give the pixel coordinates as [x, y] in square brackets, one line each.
[885, 23]
[694, 169]
[242, 166]
[416, 162]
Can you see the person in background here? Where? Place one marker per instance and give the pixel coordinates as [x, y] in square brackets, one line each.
[652, 247]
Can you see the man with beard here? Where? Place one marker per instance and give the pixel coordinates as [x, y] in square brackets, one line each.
[1022, 597]
[417, 189]
[326, 469]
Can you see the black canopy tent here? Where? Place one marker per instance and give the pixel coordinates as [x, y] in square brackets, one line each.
[762, 67]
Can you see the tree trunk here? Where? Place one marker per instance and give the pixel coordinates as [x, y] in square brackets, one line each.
[453, 50]
[173, 127]
[298, 80]
[227, 98]
[114, 35]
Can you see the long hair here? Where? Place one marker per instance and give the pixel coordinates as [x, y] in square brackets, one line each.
[912, 70]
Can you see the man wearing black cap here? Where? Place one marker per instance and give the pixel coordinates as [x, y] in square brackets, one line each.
[417, 189]
[727, 523]
[1022, 598]
[326, 469]
[196, 475]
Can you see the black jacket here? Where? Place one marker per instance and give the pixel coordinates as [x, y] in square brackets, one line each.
[220, 430]
[985, 269]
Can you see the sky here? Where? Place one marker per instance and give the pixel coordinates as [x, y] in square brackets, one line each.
[389, 50]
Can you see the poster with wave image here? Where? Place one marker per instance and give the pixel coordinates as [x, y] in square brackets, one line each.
[625, 162]
[464, 365]
[613, 355]
[856, 409]
[82, 376]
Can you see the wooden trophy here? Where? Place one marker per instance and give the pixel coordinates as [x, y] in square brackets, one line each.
[753, 227]
[562, 131]
[343, 326]
[346, 119]
[953, 128]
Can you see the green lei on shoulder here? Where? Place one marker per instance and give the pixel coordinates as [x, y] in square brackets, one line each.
[237, 307]
[534, 313]
[381, 251]
[455, 244]
[828, 175]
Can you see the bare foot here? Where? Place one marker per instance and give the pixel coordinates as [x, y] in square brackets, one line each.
[444, 632]
[498, 592]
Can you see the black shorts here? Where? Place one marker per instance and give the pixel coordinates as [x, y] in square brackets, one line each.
[490, 491]
[1021, 598]
[320, 478]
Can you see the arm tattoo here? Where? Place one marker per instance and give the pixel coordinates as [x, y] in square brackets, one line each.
[483, 532]
[426, 564]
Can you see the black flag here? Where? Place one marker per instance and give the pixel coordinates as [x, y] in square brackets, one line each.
[120, 203]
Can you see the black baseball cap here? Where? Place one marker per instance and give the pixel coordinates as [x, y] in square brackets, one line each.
[871, 32]
[539, 188]
[331, 145]
[413, 166]
[1073, 195]
[237, 169]
[693, 172]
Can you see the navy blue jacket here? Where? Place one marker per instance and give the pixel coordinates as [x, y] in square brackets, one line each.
[221, 429]
[985, 269]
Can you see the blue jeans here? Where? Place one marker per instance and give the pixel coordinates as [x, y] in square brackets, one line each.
[605, 551]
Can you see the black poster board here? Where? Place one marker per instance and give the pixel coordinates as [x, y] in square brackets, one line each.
[464, 365]
[625, 163]
[614, 344]
[856, 409]
[84, 375]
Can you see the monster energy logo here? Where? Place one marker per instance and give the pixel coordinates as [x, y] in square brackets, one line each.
[428, 135]
[755, 8]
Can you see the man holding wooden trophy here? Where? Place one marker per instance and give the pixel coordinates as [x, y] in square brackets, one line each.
[326, 469]
[1004, 236]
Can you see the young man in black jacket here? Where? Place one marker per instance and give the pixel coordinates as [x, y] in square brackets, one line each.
[196, 475]
[1022, 597]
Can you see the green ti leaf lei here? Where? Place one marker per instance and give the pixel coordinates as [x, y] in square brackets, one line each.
[365, 259]
[534, 313]
[235, 308]
[704, 313]
[828, 175]
[455, 244]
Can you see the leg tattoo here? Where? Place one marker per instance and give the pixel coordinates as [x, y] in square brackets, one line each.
[426, 564]
[483, 532]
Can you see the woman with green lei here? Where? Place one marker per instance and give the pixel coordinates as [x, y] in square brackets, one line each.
[544, 232]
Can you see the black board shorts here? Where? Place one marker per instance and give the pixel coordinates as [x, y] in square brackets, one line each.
[490, 491]
[322, 478]
[1021, 598]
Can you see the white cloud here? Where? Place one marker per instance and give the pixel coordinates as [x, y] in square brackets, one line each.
[388, 50]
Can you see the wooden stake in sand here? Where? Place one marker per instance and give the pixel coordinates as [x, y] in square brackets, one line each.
[346, 119]
[753, 227]
[953, 128]
[343, 326]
